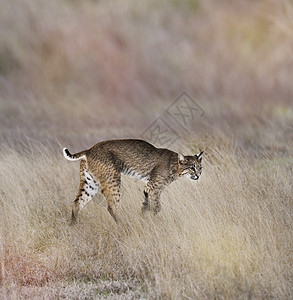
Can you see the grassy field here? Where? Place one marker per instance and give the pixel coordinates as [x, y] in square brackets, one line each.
[227, 236]
[74, 73]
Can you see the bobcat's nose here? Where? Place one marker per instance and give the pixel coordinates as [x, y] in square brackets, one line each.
[194, 177]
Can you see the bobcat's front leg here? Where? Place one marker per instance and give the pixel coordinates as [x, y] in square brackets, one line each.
[145, 204]
[152, 195]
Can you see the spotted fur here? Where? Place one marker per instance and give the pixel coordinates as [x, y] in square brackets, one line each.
[101, 167]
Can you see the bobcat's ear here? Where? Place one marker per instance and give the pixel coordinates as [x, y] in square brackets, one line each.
[198, 156]
[181, 158]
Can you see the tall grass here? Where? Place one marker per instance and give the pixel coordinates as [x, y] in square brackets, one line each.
[228, 235]
[73, 73]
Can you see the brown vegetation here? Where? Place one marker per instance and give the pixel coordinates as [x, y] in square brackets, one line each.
[73, 73]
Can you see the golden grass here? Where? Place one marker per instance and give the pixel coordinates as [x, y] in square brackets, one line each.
[228, 235]
[73, 73]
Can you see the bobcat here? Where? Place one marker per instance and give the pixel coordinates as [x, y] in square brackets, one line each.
[102, 165]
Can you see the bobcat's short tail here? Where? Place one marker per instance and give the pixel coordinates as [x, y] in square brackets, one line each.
[74, 157]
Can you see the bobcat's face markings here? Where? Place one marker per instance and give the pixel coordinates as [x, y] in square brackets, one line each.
[101, 167]
[190, 166]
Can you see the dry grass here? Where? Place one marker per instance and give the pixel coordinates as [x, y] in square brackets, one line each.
[73, 73]
[229, 235]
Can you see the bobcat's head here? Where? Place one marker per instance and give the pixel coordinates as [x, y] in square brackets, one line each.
[190, 165]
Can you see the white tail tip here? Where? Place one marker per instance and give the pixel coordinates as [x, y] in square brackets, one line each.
[71, 157]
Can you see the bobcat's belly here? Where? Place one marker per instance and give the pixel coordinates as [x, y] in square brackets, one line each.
[135, 174]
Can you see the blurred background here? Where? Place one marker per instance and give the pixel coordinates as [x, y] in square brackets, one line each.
[73, 73]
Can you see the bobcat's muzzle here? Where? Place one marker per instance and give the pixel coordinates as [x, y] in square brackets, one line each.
[194, 177]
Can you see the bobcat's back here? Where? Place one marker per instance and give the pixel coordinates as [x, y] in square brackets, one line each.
[132, 157]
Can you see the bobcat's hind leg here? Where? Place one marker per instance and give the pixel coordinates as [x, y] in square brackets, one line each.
[111, 191]
[87, 189]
